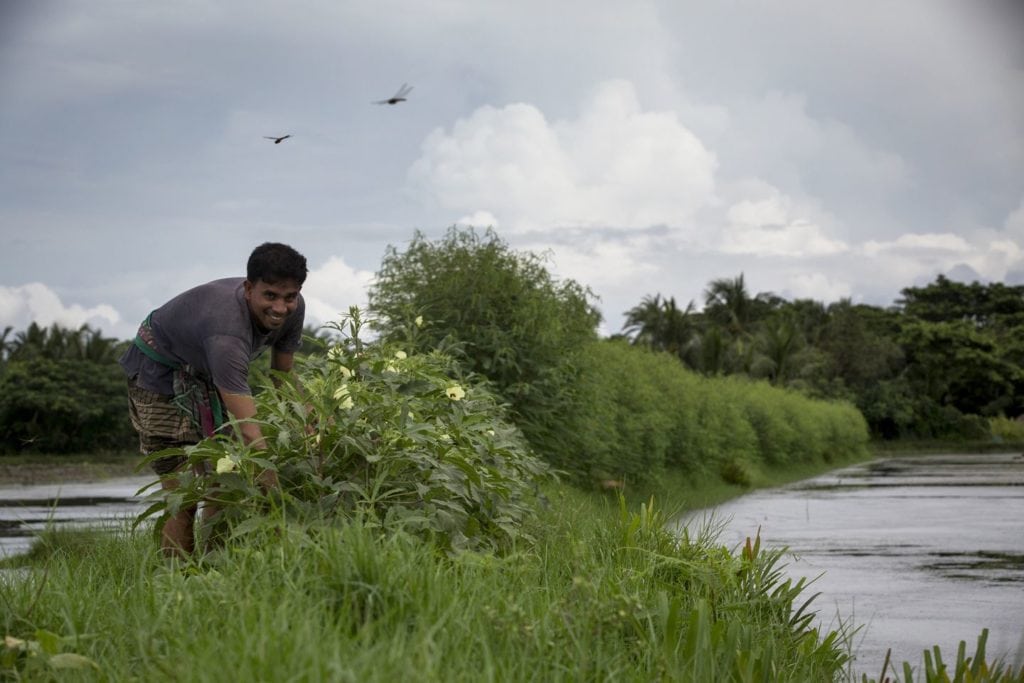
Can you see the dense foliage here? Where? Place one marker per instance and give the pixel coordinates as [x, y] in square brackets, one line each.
[637, 413]
[61, 391]
[941, 363]
[376, 432]
[499, 311]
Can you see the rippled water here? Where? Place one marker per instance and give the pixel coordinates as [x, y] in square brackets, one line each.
[26, 510]
[919, 551]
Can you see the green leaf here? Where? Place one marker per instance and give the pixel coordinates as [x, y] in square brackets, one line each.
[48, 641]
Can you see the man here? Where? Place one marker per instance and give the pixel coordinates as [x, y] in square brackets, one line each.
[190, 361]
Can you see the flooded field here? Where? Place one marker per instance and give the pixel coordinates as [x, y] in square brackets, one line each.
[918, 551]
[26, 510]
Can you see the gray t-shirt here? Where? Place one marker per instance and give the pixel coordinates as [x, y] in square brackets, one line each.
[210, 329]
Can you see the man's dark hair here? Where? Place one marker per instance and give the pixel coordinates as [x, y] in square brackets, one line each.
[273, 262]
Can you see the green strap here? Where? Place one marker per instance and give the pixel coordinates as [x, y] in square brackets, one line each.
[151, 352]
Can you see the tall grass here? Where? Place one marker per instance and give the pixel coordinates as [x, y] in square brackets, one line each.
[604, 593]
[637, 414]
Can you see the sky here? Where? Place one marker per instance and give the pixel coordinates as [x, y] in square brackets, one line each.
[822, 149]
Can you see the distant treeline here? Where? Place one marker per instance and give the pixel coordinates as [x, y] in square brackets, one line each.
[940, 363]
[749, 379]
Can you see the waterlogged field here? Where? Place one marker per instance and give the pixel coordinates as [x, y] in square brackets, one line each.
[916, 551]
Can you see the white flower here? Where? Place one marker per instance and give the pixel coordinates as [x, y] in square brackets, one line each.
[335, 353]
[455, 392]
[13, 643]
[347, 403]
[226, 464]
[419, 321]
[344, 372]
[400, 355]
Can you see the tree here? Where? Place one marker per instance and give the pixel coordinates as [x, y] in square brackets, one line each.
[659, 324]
[955, 364]
[779, 343]
[501, 311]
[728, 304]
[984, 306]
[63, 405]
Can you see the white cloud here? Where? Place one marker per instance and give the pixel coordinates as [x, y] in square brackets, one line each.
[479, 219]
[35, 302]
[602, 264]
[817, 286]
[616, 165]
[797, 239]
[1014, 225]
[920, 243]
[331, 289]
[775, 226]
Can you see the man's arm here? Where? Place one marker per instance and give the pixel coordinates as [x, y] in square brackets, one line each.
[242, 407]
[281, 360]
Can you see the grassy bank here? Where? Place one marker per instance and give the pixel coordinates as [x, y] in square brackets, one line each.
[602, 594]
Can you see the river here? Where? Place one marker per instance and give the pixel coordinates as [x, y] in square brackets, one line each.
[917, 551]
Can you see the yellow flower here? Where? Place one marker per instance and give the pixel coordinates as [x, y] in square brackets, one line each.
[344, 372]
[335, 353]
[400, 355]
[347, 403]
[455, 392]
[419, 321]
[226, 464]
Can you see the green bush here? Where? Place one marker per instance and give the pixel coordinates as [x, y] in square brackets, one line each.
[499, 311]
[1006, 429]
[376, 432]
[636, 412]
[63, 405]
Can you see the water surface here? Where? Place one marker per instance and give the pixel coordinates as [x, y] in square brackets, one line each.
[27, 510]
[919, 551]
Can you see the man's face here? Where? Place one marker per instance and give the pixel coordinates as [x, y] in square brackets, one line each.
[271, 304]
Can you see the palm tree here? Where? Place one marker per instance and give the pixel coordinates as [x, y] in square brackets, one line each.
[728, 303]
[660, 324]
[778, 343]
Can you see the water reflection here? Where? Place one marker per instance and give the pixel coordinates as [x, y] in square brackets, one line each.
[920, 551]
[27, 510]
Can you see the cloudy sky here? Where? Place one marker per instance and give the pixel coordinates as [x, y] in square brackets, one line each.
[824, 149]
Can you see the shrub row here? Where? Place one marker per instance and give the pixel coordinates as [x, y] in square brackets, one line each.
[636, 413]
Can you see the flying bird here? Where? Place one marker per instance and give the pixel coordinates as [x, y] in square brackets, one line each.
[400, 96]
[277, 141]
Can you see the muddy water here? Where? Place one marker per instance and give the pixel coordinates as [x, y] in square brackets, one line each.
[26, 510]
[918, 551]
